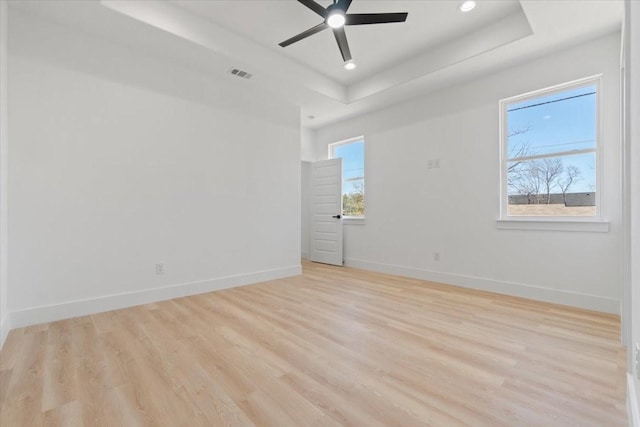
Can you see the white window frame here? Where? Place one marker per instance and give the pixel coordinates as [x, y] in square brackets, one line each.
[331, 147]
[569, 223]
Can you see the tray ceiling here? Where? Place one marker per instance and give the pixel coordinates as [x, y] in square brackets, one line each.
[438, 45]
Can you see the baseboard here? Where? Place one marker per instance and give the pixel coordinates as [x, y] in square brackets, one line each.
[632, 402]
[304, 255]
[50, 313]
[575, 299]
[5, 327]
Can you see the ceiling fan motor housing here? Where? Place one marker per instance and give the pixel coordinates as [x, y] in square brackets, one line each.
[335, 17]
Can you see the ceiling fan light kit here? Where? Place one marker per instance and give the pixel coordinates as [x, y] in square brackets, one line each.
[336, 17]
[467, 6]
[350, 65]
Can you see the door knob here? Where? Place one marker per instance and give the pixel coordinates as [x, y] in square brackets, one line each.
[337, 216]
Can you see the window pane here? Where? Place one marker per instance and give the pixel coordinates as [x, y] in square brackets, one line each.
[353, 198]
[554, 186]
[352, 155]
[559, 122]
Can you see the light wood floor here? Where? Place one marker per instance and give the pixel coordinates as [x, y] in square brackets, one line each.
[332, 347]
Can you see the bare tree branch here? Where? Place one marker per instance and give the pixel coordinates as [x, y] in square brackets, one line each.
[515, 169]
[519, 131]
[570, 177]
[552, 169]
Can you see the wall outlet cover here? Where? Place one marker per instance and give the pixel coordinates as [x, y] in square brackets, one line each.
[159, 268]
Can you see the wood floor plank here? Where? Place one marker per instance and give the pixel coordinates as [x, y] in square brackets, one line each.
[60, 385]
[11, 349]
[332, 347]
[65, 415]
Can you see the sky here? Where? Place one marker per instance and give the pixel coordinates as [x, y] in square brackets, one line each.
[352, 155]
[556, 124]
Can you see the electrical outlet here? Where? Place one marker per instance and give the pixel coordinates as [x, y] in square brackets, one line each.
[436, 256]
[429, 164]
[436, 163]
[160, 268]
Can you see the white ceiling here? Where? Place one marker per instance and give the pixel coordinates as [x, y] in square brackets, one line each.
[438, 46]
[374, 47]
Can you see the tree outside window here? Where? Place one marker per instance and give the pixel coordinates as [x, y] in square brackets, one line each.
[549, 151]
[352, 154]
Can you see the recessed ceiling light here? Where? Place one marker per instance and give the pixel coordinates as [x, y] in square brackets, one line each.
[336, 18]
[349, 65]
[467, 6]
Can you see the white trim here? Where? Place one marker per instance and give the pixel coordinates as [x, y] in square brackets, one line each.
[623, 49]
[5, 327]
[330, 155]
[504, 158]
[50, 313]
[304, 255]
[354, 220]
[4, 172]
[632, 402]
[585, 81]
[574, 299]
[343, 142]
[503, 153]
[555, 154]
[553, 224]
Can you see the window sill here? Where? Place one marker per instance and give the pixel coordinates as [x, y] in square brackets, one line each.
[552, 224]
[353, 220]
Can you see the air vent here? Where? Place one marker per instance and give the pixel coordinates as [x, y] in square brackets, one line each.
[240, 73]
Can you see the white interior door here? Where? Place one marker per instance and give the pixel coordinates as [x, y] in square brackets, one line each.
[326, 212]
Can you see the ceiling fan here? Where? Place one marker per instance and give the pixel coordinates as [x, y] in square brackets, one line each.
[336, 17]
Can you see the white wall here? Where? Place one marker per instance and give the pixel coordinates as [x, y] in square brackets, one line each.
[4, 318]
[413, 212]
[119, 162]
[307, 155]
[306, 182]
[307, 148]
[632, 49]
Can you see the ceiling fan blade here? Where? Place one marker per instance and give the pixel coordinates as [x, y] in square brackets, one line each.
[315, 7]
[303, 35]
[341, 38]
[344, 4]
[374, 18]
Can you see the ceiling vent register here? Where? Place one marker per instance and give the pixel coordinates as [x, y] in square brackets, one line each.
[240, 73]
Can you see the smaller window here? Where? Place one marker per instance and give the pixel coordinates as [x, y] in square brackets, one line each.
[549, 152]
[351, 152]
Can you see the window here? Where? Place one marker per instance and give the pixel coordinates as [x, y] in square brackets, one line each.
[351, 152]
[549, 152]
